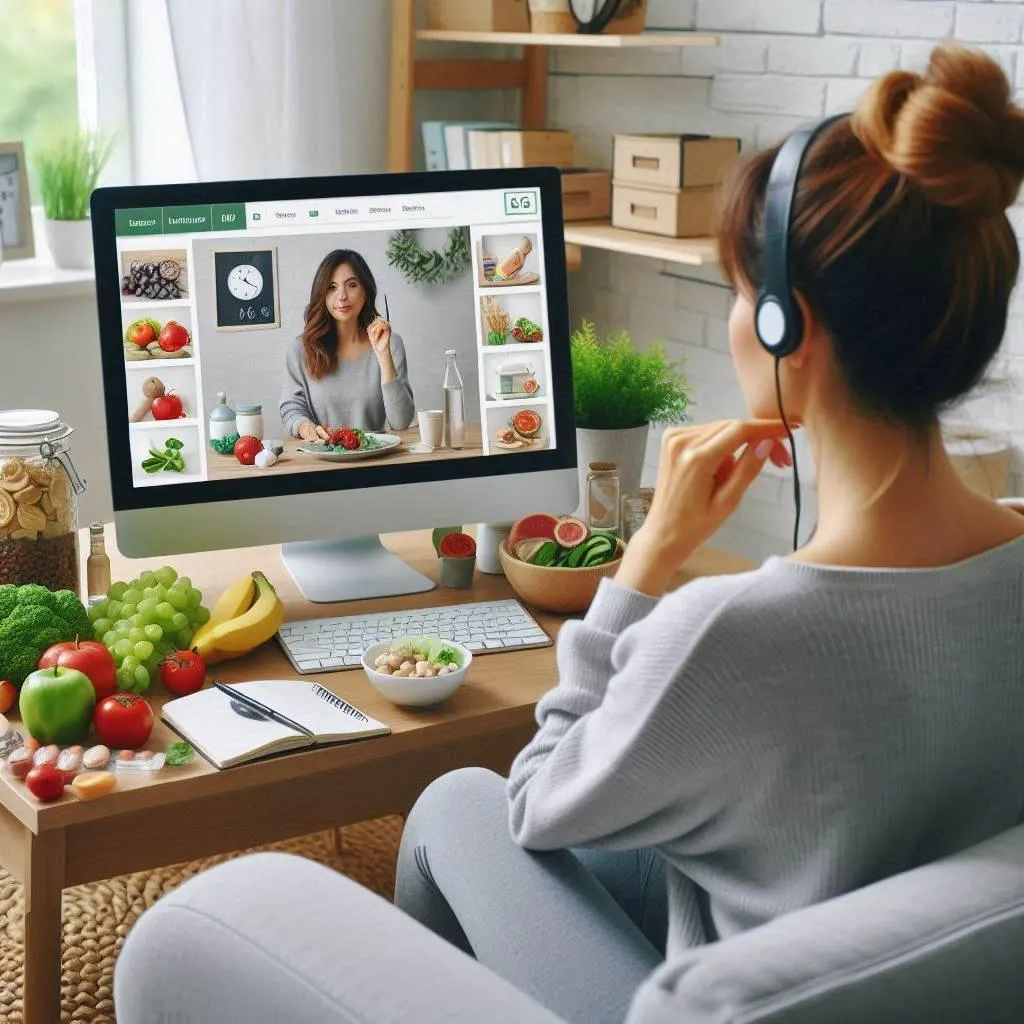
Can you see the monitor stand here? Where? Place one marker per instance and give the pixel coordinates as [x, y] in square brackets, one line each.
[350, 570]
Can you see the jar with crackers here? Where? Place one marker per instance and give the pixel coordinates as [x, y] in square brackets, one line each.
[38, 501]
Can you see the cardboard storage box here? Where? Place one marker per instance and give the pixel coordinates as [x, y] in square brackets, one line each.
[586, 195]
[538, 148]
[673, 161]
[479, 15]
[682, 213]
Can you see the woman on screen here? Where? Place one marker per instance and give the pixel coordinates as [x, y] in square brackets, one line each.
[348, 368]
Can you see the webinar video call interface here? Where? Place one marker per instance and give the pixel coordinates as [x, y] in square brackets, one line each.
[304, 337]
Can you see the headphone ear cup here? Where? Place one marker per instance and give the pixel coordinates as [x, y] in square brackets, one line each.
[778, 323]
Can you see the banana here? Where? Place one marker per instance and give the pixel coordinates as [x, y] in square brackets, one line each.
[235, 600]
[247, 631]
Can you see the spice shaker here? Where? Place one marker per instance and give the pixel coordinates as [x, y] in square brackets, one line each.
[603, 496]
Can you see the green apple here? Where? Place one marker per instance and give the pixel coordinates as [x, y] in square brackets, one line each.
[56, 705]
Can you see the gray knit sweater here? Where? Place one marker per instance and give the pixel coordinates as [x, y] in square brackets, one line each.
[784, 735]
[352, 395]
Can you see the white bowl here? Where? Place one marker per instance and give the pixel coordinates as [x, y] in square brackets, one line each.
[411, 691]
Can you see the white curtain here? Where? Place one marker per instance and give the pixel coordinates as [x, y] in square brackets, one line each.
[283, 88]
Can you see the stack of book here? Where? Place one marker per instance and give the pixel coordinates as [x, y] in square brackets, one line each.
[476, 145]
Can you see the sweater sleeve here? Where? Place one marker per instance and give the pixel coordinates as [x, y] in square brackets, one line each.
[596, 772]
[399, 404]
[295, 405]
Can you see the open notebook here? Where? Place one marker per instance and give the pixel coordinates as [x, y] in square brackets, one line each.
[228, 732]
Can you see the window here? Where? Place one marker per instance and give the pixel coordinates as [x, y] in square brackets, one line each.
[38, 81]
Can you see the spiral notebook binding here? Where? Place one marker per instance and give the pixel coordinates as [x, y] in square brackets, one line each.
[338, 702]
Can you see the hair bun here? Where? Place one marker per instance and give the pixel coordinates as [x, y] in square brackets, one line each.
[952, 131]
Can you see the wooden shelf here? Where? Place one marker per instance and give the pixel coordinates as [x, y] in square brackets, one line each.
[695, 252]
[608, 42]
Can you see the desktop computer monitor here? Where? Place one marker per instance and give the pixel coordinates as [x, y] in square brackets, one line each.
[325, 319]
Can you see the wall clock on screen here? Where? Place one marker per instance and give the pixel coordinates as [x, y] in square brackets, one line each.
[245, 284]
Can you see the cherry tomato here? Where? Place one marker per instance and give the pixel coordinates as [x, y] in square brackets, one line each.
[8, 695]
[45, 782]
[183, 672]
[123, 720]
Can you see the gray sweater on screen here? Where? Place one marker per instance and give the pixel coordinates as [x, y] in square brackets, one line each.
[352, 395]
[784, 735]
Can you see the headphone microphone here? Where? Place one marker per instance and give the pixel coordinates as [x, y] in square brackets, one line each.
[778, 321]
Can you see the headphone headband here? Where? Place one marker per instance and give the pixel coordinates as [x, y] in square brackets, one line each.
[777, 318]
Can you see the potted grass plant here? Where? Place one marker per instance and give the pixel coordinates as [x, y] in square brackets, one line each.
[69, 168]
[618, 393]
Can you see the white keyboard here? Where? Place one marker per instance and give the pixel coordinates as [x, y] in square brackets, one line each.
[485, 627]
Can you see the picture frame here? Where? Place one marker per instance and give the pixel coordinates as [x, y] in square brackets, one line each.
[263, 315]
[15, 204]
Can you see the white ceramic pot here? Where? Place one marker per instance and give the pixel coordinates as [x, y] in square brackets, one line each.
[70, 243]
[625, 448]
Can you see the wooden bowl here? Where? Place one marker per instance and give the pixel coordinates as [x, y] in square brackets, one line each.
[553, 588]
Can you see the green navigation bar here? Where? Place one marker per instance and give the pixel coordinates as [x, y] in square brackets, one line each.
[171, 220]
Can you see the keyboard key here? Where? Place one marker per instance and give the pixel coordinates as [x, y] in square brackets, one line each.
[306, 666]
[493, 643]
[474, 645]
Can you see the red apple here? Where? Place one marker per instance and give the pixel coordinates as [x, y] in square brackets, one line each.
[167, 407]
[90, 658]
[173, 337]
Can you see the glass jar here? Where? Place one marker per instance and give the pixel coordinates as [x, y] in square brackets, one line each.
[603, 496]
[38, 501]
[634, 511]
[249, 421]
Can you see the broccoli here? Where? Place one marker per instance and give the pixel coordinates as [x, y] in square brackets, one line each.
[33, 618]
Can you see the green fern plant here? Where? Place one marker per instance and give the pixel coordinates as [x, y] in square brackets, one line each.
[616, 387]
[69, 169]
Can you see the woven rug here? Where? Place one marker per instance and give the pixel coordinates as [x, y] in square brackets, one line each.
[98, 916]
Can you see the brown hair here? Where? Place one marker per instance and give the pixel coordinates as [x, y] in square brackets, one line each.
[319, 342]
[899, 241]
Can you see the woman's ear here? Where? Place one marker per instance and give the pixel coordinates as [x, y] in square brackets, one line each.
[810, 343]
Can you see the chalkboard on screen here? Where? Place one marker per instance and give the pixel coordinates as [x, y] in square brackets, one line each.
[245, 281]
[15, 210]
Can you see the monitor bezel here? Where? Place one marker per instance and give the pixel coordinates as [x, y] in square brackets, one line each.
[108, 298]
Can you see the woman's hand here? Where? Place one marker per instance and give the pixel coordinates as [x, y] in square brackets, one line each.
[700, 483]
[379, 333]
[307, 431]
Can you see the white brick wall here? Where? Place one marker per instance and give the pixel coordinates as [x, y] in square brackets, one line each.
[780, 63]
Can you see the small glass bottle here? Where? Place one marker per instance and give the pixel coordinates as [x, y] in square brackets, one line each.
[97, 566]
[453, 426]
[603, 496]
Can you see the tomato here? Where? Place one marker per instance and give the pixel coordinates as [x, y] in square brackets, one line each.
[167, 407]
[90, 658]
[8, 695]
[123, 720]
[45, 782]
[183, 672]
[247, 448]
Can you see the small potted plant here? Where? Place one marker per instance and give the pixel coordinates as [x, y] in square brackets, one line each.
[69, 169]
[619, 392]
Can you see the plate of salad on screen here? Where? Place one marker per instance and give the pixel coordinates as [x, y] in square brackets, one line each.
[340, 444]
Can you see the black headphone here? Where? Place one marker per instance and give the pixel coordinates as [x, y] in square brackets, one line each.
[777, 318]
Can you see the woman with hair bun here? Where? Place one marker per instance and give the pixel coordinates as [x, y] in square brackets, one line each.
[746, 745]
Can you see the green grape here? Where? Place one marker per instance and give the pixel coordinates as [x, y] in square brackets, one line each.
[179, 622]
[164, 612]
[122, 648]
[183, 639]
[201, 616]
[183, 583]
[109, 639]
[177, 599]
[165, 575]
[141, 676]
[149, 592]
[137, 634]
[161, 592]
[147, 606]
[116, 591]
[195, 598]
[143, 650]
[133, 595]
[137, 621]
[114, 610]
[154, 634]
[125, 680]
[131, 663]
[128, 610]
[102, 626]
[148, 579]
[95, 611]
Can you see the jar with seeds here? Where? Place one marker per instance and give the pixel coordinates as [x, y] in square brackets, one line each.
[38, 501]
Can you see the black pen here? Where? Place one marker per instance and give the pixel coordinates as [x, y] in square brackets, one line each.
[252, 702]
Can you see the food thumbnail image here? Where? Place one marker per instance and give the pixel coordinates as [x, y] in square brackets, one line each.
[166, 334]
[519, 430]
[506, 261]
[154, 274]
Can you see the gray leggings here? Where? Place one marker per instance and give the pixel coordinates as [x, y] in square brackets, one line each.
[578, 931]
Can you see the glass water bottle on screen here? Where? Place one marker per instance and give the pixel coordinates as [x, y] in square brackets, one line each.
[454, 422]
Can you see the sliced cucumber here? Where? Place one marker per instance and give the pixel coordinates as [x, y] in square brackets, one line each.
[546, 554]
[576, 555]
[418, 645]
[441, 645]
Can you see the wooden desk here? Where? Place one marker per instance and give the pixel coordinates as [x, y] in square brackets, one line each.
[197, 811]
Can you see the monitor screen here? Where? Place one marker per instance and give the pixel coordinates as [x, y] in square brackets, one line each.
[275, 337]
